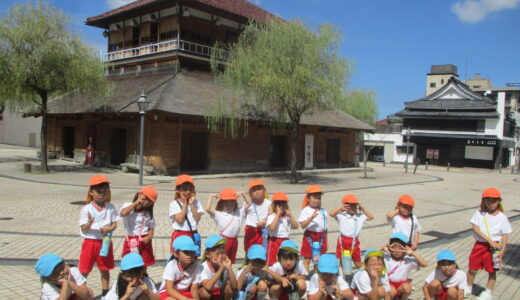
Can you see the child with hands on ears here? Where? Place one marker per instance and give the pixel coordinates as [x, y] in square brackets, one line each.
[291, 269]
[59, 281]
[280, 223]
[256, 215]
[403, 220]
[327, 284]
[371, 282]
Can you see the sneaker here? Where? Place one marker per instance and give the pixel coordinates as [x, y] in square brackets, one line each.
[485, 295]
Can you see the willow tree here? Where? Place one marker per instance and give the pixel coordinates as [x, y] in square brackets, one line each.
[278, 71]
[40, 57]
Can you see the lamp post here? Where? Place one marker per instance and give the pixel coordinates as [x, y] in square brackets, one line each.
[142, 102]
[408, 133]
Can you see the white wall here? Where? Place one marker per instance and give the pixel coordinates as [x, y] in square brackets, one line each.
[390, 139]
[478, 152]
[20, 131]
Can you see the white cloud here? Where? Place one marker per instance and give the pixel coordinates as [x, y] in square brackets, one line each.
[117, 3]
[472, 11]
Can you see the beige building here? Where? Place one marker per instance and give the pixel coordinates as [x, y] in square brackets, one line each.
[439, 76]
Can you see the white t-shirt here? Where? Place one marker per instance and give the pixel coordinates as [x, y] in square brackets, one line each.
[298, 270]
[398, 270]
[182, 279]
[251, 214]
[207, 273]
[52, 292]
[404, 225]
[456, 280]
[102, 218]
[229, 224]
[363, 284]
[318, 223]
[137, 224]
[249, 277]
[282, 230]
[314, 285]
[112, 293]
[175, 208]
[498, 225]
[348, 222]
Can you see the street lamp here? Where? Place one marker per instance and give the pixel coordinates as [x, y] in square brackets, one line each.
[408, 133]
[142, 102]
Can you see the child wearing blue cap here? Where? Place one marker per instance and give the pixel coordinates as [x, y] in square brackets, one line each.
[133, 281]
[446, 282]
[371, 281]
[291, 269]
[255, 277]
[59, 281]
[217, 275]
[400, 260]
[181, 275]
[327, 284]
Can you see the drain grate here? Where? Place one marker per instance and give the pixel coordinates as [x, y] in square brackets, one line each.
[78, 203]
[6, 219]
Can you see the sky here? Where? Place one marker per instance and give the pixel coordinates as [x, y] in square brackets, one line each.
[390, 44]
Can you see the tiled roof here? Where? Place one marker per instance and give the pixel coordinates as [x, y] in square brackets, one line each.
[241, 8]
[449, 114]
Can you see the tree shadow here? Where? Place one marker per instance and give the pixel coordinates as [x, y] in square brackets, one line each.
[307, 179]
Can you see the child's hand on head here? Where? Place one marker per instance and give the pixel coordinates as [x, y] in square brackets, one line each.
[130, 288]
[409, 251]
[143, 286]
[373, 274]
[321, 285]
[226, 262]
[192, 200]
[279, 210]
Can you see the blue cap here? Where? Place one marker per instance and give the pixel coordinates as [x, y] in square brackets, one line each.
[445, 255]
[328, 264]
[184, 243]
[289, 245]
[214, 240]
[46, 264]
[400, 236]
[256, 252]
[131, 260]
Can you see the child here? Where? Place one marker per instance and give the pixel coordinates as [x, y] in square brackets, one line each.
[490, 229]
[97, 219]
[290, 268]
[399, 261]
[446, 281]
[181, 275]
[256, 214]
[350, 223]
[217, 277]
[314, 220]
[371, 282]
[133, 282]
[185, 210]
[279, 223]
[139, 224]
[228, 217]
[61, 281]
[402, 220]
[254, 278]
[326, 284]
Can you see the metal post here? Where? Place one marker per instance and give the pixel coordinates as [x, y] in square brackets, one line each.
[449, 167]
[141, 149]
[408, 132]
[426, 166]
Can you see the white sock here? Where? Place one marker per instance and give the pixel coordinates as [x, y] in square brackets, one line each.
[261, 295]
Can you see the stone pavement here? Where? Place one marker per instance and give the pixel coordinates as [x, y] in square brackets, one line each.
[45, 208]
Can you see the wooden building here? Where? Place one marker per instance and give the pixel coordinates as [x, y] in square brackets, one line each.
[163, 48]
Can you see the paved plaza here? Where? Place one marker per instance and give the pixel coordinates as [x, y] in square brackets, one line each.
[40, 214]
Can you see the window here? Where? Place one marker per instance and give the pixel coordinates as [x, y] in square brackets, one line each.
[476, 86]
[332, 155]
[433, 84]
[442, 81]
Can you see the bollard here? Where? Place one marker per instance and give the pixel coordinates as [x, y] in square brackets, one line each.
[513, 170]
[27, 167]
[449, 167]
[426, 166]
[384, 163]
[500, 168]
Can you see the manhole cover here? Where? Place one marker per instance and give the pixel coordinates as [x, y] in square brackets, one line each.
[6, 219]
[78, 203]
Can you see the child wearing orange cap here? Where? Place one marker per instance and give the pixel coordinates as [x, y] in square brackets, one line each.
[228, 217]
[280, 224]
[140, 224]
[490, 230]
[313, 219]
[403, 220]
[97, 218]
[350, 221]
[185, 210]
[256, 214]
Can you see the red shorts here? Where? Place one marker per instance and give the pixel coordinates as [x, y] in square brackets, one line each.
[215, 293]
[145, 249]
[443, 294]
[346, 244]
[252, 236]
[231, 247]
[165, 295]
[90, 255]
[178, 233]
[481, 257]
[397, 285]
[315, 237]
[273, 244]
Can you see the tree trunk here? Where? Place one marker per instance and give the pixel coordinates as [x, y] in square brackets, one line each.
[294, 140]
[365, 158]
[43, 133]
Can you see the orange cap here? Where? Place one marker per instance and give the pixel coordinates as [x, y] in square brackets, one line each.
[311, 189]
[150, 192]
[407, 200]
[184, 178]
[98, 179]
[254, 183]
[228, 194]
[279, 196]
[350, 198]
[491, 193]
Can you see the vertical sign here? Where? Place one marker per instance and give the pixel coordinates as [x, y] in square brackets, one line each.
[309, 151]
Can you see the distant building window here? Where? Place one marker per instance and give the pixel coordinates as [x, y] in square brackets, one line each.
[476, 86]
[433, 84]
[442, 81]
